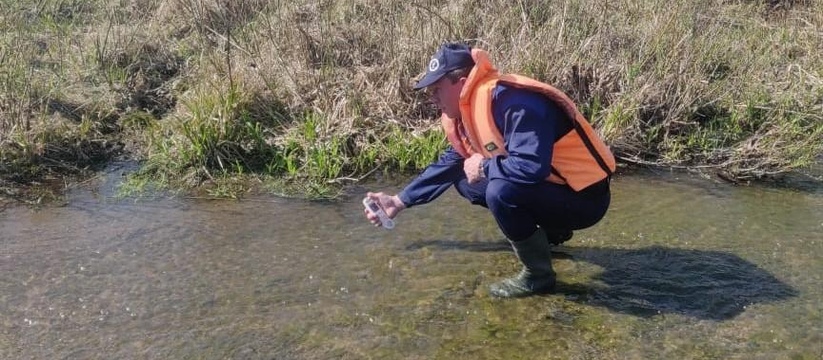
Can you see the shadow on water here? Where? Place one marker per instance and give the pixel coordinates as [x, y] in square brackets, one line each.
[709, 285]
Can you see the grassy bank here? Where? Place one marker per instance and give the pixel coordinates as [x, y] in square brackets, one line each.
[308, 95]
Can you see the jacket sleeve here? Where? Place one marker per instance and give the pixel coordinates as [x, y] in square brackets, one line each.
[530, 124]
[434, 180]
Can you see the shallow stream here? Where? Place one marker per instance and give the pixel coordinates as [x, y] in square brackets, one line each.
[680, 268]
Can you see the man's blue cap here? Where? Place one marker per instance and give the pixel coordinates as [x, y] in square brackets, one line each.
[449, 57]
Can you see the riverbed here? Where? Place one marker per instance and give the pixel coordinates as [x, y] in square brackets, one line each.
[680, 268]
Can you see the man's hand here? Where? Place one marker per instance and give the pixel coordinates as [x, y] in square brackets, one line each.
[391, 204]
[473, 167]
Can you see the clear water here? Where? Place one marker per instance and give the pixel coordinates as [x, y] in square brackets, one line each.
[680, 268]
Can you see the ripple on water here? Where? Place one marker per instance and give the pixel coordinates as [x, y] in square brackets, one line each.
[677, 269]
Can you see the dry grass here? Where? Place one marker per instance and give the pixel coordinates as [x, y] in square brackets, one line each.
[734, 86]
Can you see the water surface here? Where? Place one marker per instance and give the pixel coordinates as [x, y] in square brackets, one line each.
[680, 268]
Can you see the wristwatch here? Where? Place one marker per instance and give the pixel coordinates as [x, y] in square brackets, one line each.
[482, 172]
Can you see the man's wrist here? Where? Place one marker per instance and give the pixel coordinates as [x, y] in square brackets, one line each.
[481, 170]
[398, 202]
[402, 199]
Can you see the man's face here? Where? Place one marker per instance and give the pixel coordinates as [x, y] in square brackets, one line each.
[446, 96]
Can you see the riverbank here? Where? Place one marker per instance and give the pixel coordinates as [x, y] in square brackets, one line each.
[304, 98]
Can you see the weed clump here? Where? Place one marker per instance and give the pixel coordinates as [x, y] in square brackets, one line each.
[205, 91]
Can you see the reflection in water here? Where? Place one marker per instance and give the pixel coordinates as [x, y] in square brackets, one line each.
[696, 270]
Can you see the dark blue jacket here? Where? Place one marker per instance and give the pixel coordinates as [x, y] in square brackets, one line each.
[529, 123]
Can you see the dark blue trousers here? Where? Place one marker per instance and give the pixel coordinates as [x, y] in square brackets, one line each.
[520, 208]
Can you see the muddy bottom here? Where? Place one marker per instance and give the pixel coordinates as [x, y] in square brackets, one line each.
[679, 269]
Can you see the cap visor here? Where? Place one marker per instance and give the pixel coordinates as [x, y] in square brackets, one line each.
[427, 80]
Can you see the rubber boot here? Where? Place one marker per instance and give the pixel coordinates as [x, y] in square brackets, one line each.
[537, 276]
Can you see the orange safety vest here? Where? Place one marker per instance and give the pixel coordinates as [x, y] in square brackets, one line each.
[580, 158]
